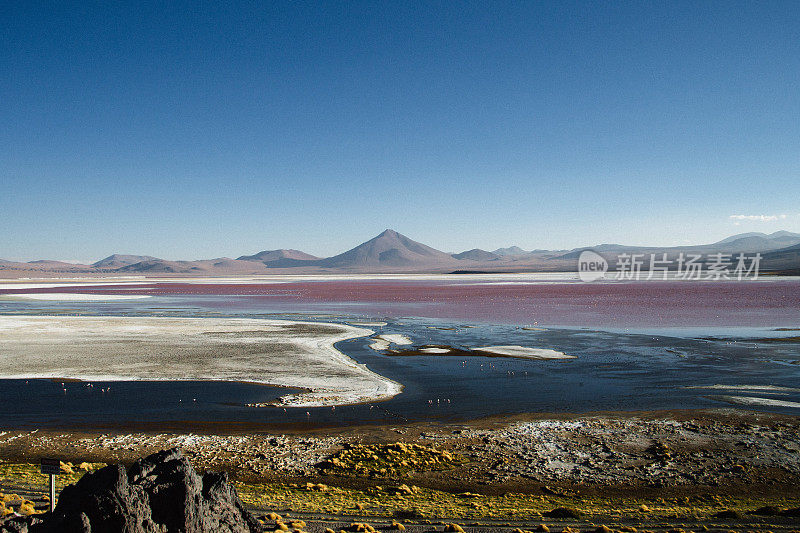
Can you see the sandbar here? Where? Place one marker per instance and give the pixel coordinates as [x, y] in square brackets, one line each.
[524, 352]
[762, 388]
[753, 400]
[382, 342]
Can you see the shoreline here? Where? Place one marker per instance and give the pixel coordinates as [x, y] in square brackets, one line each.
[238, 429]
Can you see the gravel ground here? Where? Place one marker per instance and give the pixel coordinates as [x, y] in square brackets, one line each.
[646, 451]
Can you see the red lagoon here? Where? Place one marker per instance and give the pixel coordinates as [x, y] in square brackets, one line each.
[622, 304]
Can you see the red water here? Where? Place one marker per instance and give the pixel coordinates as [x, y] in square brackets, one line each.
[624, 304]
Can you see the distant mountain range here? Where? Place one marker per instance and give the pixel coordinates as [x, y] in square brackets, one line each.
[121, 260]
[392, 252]
[269, 256]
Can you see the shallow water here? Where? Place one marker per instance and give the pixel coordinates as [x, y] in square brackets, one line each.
[618, 366]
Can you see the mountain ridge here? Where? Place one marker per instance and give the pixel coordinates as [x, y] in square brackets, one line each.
[121, 260]
[391, 251]
[269, 256]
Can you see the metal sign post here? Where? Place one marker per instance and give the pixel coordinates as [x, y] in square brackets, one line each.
[53, 468]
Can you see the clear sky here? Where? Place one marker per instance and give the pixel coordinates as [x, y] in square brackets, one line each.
[201, 129]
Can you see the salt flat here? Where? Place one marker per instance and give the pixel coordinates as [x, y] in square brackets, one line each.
[274, 352]
[73, 297]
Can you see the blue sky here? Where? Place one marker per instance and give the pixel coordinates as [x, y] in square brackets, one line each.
[198, 129]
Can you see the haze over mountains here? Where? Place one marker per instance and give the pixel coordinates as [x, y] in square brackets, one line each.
[393, 252]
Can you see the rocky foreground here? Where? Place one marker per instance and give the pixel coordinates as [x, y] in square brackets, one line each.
[160, 493]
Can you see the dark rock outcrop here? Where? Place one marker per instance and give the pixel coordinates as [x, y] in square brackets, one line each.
[158, 494]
